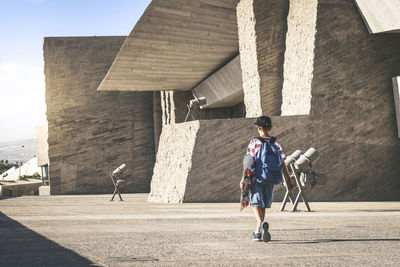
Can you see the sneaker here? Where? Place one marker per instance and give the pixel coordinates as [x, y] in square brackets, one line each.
[257, 236]
[266, 237]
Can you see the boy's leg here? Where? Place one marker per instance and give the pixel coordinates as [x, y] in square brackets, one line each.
[259, 213]
[268, 192]
[256, 201]
[262, 214]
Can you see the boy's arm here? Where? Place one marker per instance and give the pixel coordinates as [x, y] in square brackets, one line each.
[286, 173]
[252, 151]
[241, 184]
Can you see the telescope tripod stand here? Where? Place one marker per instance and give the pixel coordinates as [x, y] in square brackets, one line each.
[290, 196]
[117, 184]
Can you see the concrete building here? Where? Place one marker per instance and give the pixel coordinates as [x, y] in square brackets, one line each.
[315, 66]
[90, 133]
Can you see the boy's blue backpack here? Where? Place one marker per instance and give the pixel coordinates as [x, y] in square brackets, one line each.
[269, 162]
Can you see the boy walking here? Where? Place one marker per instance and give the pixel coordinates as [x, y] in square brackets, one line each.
[263, 149]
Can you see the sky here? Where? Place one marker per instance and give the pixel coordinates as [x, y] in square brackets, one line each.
[23, 24]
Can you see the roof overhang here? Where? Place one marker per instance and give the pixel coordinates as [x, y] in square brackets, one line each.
[380, 15]
[175, 45]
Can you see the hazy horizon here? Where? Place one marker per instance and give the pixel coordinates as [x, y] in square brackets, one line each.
[24, 24]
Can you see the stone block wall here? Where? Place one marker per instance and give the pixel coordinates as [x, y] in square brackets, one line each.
[91, 132]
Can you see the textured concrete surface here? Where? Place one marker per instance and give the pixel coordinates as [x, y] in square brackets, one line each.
[42, 147]
[352, 103]
[91, 132]
[175, 45]
[174, 156]
[380, 15]
[223, 88]
[136, 233]
[249, 62]
[299, 58]
[262, 27]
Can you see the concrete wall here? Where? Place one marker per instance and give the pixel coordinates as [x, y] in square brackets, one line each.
[262, 26]
[352, 96]
[202, 162]
[207, 164]
[91, 132]
[42, 147]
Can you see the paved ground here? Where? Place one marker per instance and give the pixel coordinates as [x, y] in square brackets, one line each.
[89, 230]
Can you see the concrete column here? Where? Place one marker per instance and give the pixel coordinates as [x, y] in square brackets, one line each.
[299, 57]
[262, 30]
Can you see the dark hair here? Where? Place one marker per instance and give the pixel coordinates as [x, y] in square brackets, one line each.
[264, 122]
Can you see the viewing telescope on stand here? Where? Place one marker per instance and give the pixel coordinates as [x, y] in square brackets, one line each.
[118, 179]
[192, 103]
[300, 169]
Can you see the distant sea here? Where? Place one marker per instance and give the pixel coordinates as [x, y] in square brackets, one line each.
[11, 150]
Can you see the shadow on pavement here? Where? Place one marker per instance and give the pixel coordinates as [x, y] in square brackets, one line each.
[2, 198]
[317, 241]
[21, 246]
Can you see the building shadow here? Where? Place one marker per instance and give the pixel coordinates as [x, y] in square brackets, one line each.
[2, 198]
[319, 241]
[20, 246]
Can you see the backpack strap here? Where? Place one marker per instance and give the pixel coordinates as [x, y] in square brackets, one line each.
[261, 139]
[272, 141]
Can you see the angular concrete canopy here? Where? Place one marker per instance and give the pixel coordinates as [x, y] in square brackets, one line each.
[380, 15]
[175, 45]
[224, 88]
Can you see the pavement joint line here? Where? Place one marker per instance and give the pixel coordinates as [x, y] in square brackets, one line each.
[196, 216]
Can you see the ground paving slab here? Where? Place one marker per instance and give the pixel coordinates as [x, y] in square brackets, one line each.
[88, 230]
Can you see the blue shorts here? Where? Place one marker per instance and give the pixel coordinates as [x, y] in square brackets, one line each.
[261, 195]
